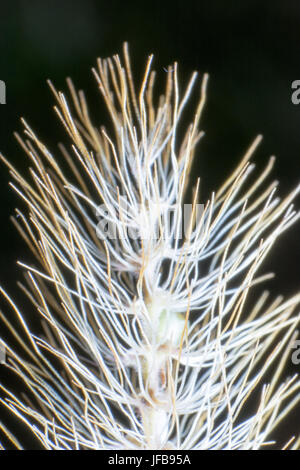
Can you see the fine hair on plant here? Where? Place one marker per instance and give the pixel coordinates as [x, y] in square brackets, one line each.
[147, 337]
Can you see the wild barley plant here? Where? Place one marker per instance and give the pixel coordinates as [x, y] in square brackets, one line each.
[147, 343]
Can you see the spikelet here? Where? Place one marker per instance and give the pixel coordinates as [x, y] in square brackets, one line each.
[148, 340]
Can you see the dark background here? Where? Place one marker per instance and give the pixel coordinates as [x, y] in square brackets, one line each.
[250, 49]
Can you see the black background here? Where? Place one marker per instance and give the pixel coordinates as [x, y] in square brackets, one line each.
[249, 48]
